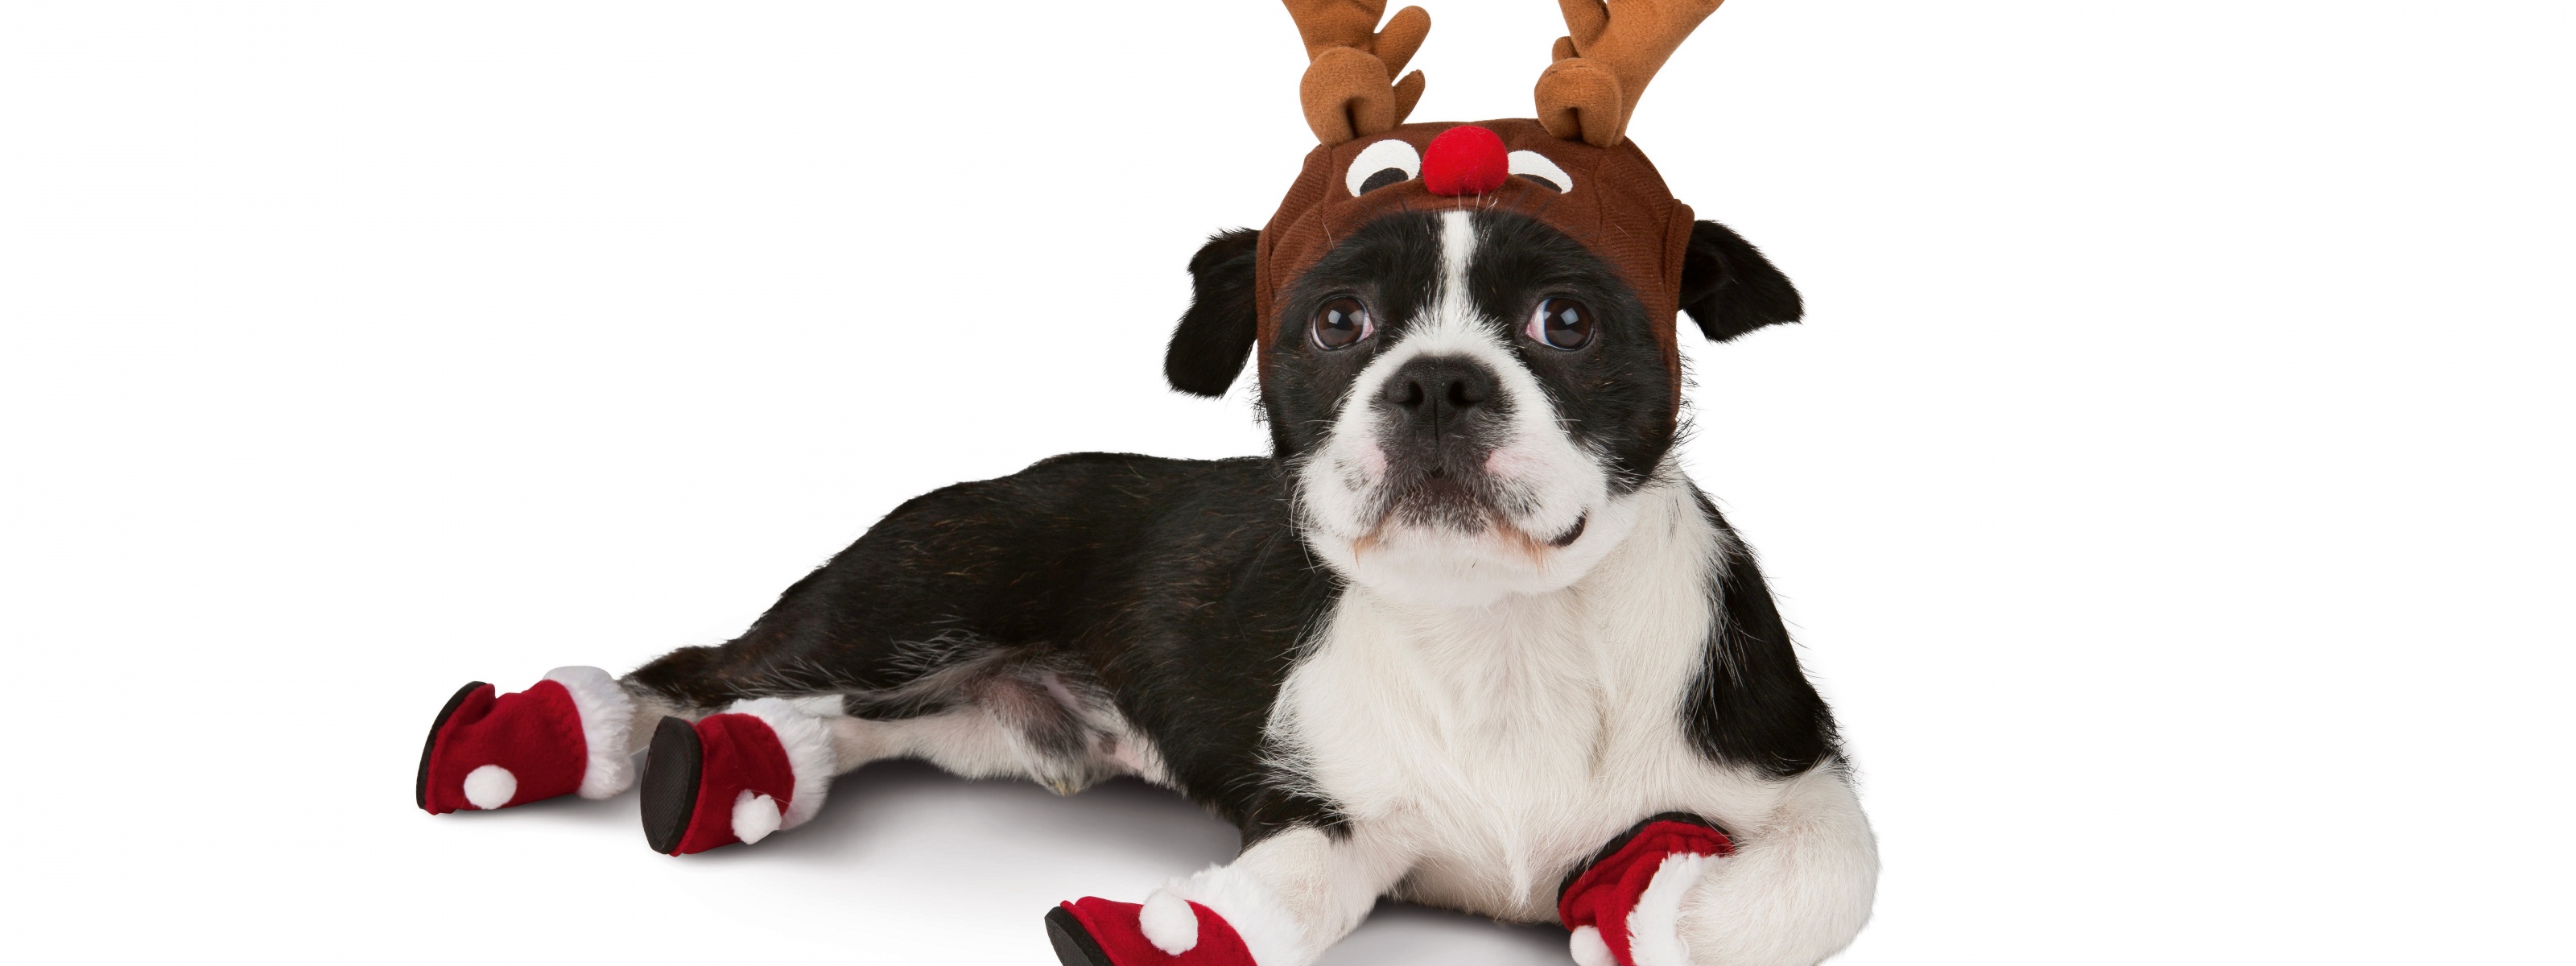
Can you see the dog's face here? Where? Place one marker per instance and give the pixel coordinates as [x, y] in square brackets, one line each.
[1469, 397]
[1466, 395]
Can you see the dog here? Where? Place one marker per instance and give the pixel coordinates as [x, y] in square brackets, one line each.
[1466, 636]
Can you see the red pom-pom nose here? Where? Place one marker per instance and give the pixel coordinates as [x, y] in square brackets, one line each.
[1464, 160]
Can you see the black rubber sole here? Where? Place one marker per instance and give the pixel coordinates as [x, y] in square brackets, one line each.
[670, 785]
[1073, 944]
[420, 783]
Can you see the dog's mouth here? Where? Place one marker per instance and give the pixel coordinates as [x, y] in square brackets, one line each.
[1572, 533]
[1445, 501]
[1441, 499]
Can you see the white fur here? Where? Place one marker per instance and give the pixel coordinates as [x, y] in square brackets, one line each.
[1273, 935]
[1543, 471]
[1506, 742]
[754, 816]
[821, 705]
[1169, 923]
[1654, 925]
[1295, 893]
[1390, 153]
[607, 719]
[974, 742]
[490, 787]
[1497, 746]
[1588, 948]
[809, 754]
[1799, 885]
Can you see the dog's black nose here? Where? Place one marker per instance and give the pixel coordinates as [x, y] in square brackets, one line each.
[1437, 396]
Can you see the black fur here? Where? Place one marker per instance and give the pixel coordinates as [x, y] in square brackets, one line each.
[1215, 335]
[1617, 391]
[1751, 705]
[1730, 289]
[1172, 589]
[1393, 266]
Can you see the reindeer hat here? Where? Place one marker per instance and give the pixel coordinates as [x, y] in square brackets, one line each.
[1572, 167]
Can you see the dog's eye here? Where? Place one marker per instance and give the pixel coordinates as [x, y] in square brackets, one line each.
[1562, 324]
[1340, 322]
[1387, 162]
[1536, 167]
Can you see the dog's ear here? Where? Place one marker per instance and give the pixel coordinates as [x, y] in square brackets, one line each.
[1729, 288]
[1209, 346]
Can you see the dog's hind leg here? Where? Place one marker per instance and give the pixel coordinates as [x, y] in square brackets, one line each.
[953, 623]
[1282, 902]
[969, 706]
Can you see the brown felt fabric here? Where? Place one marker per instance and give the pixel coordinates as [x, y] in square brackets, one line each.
[1579, 100]
[1618, 208]
[1350, 90]
[1628, 40]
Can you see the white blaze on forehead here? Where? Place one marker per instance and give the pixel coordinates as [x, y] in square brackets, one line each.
[1544, 479]
[1457, 248]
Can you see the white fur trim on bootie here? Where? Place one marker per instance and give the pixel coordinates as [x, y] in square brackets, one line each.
[607, 720]
[1169, 923]
[809, 753]
[490, 787]
[1655, 925]
[754, 816]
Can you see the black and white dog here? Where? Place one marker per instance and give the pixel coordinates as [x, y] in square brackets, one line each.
[1461, 628]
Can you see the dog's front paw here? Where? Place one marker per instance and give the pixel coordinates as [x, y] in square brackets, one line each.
[1626, 907]
[1164, 931]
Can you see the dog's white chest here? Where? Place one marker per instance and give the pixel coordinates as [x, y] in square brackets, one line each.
[1499, 746]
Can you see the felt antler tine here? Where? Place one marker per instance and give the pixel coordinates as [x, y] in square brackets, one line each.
[1611, 50]
[1349, 90]
[1395, 46]
[1402, 37]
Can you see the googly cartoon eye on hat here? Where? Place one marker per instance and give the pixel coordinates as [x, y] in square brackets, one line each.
[1387, 162]
[1535, 167]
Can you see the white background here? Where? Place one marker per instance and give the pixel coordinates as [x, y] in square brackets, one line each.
[2169, 486]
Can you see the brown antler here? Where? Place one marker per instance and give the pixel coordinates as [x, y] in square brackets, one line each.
[1347, 90]
[1612, 49]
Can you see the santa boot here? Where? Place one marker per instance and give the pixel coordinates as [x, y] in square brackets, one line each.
[734, 777]
[1625, 908]
[566, 734]
[1165, 931]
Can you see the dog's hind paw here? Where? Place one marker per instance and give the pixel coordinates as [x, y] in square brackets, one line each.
[565, 735]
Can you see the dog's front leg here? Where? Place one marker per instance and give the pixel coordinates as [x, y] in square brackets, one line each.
[1798, 887]
[1281, 903]
[1787, 883]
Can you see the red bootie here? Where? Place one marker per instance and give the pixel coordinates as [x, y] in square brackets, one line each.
[567, 734]
[734, 777]
[1625, 908]
[1098, 932]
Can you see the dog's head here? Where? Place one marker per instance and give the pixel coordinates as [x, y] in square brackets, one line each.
[1467, 386]
[1466, 339]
